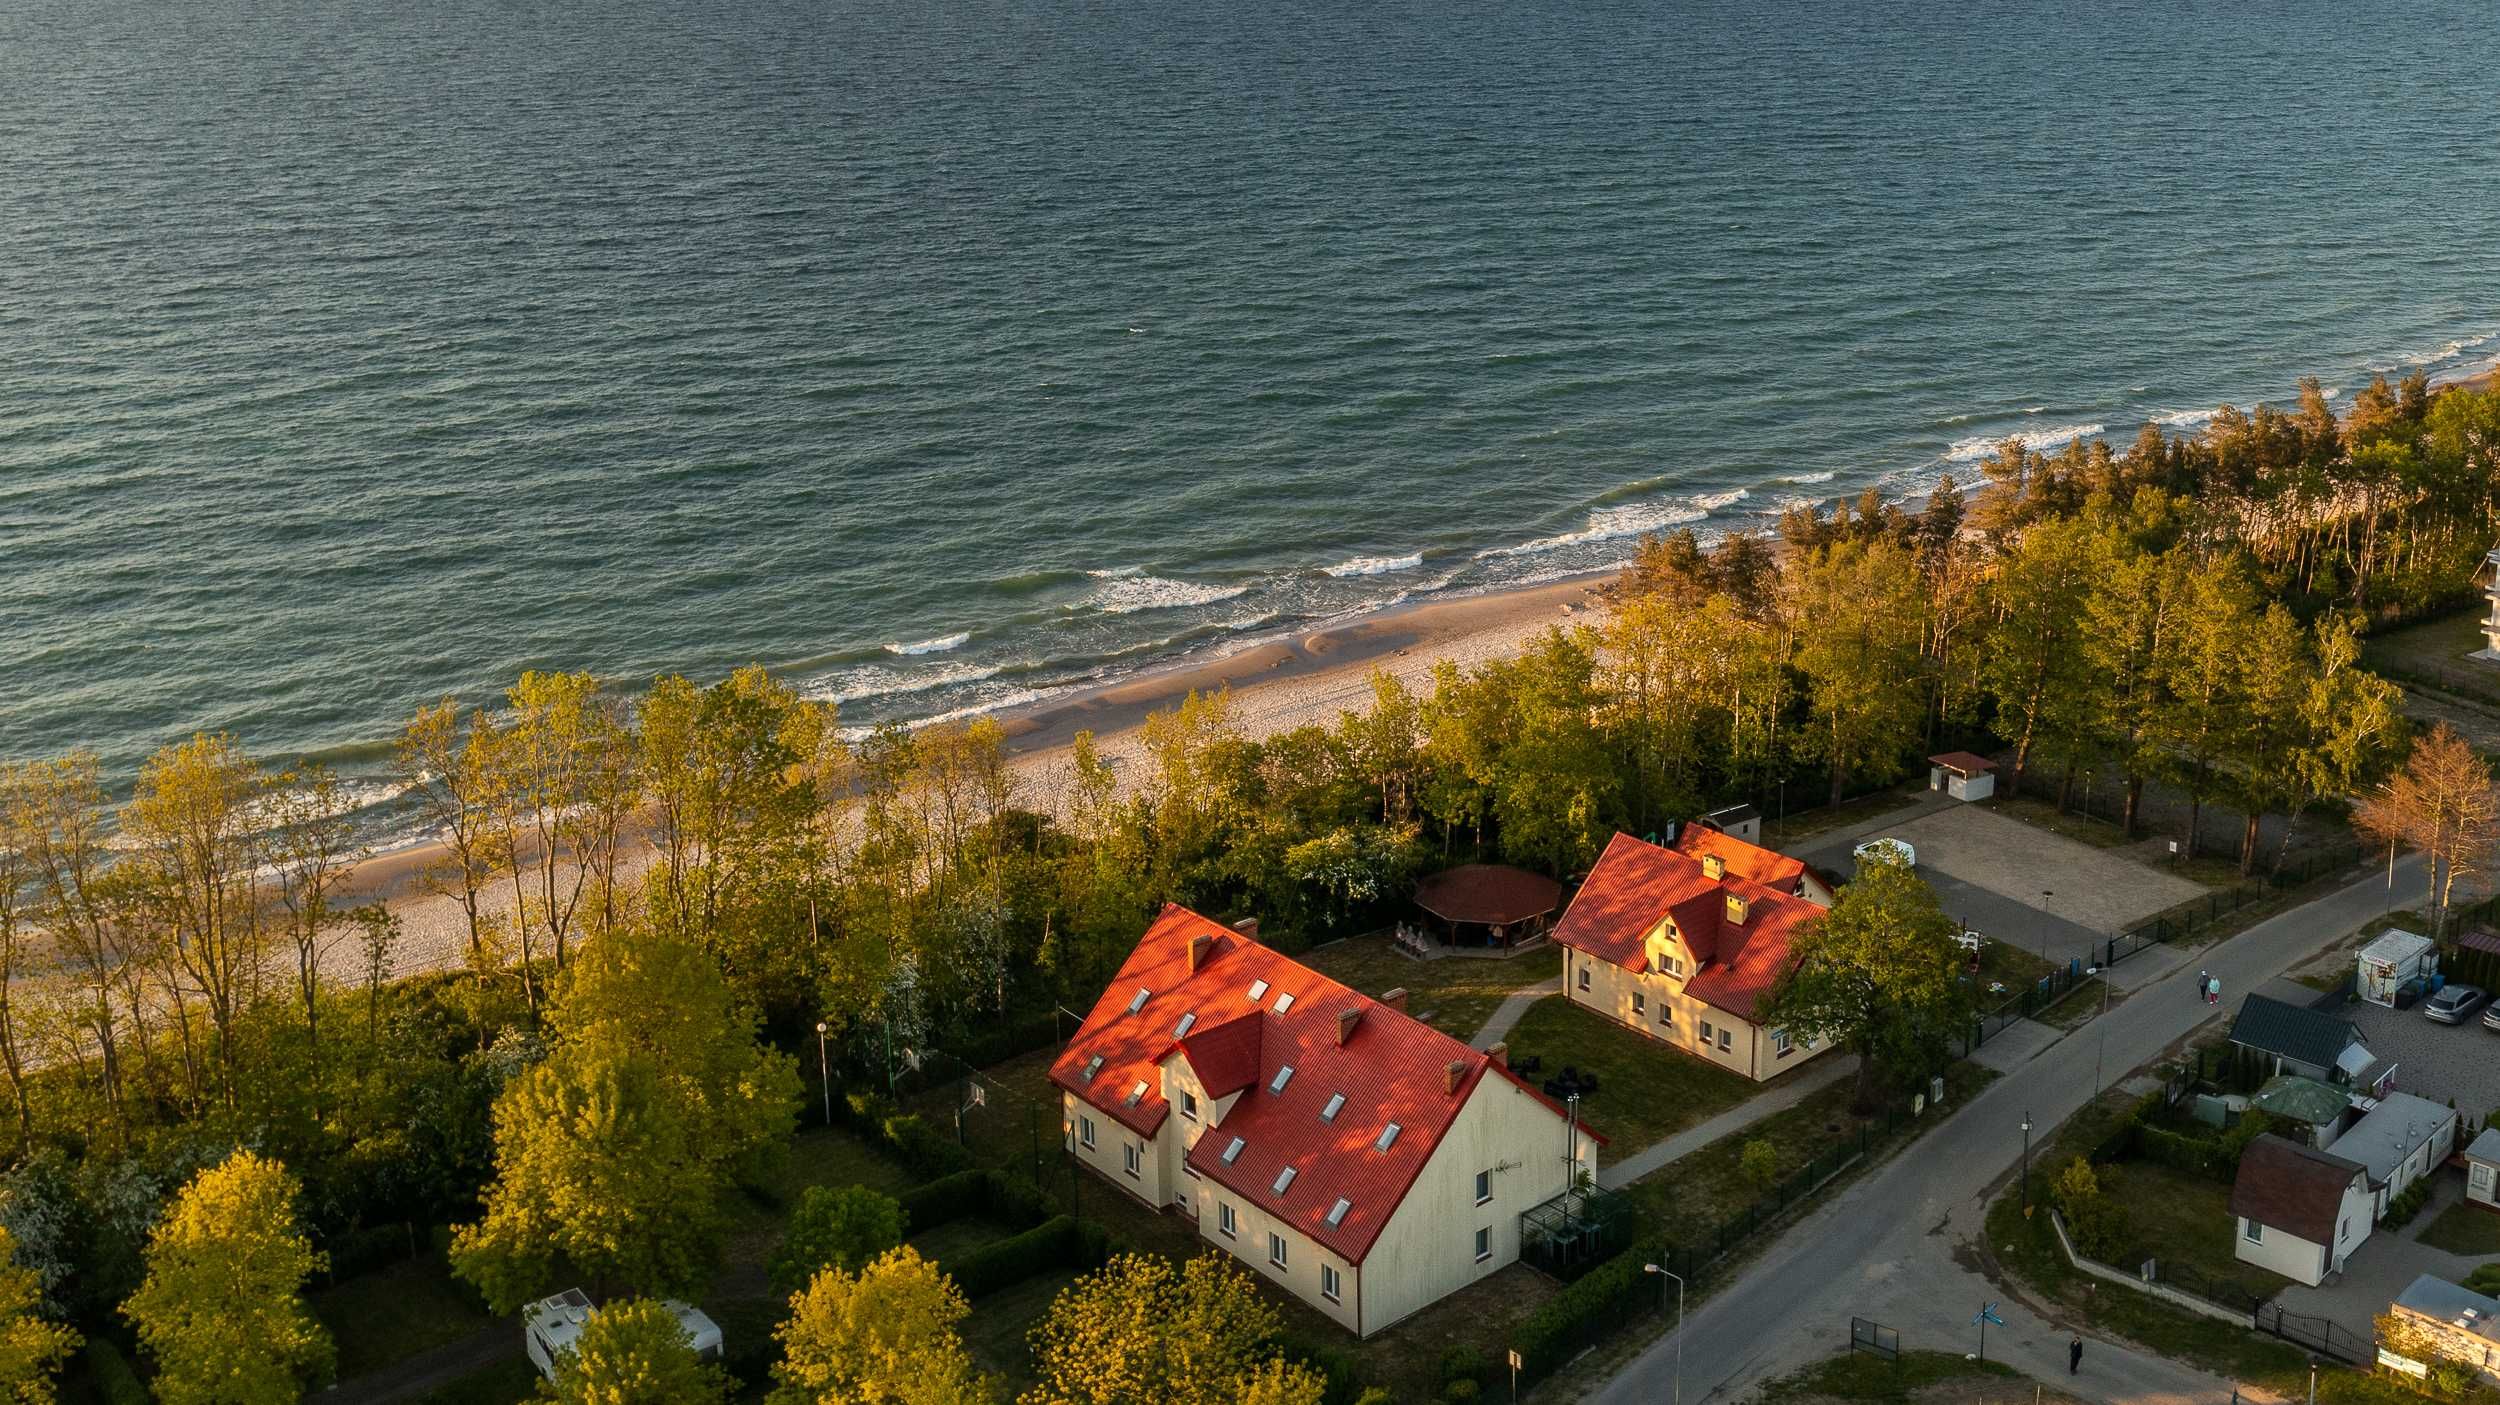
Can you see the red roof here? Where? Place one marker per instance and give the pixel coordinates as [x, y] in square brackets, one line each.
[1489, 893]
[1637, 883]
[1968, 763]
[1768, 867]
[1392, 1068]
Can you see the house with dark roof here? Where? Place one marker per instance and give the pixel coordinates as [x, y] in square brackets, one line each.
[1684, 949]
[1353, 1155]
[2300, 1211]
[2304, 1042]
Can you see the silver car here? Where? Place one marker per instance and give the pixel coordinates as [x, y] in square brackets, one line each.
[2455, 1004]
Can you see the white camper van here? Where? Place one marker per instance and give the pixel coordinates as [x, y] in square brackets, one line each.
[551, 1325]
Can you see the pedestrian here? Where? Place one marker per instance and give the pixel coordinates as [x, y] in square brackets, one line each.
[2213, 991]
[2201, 978]
[2074, 1354]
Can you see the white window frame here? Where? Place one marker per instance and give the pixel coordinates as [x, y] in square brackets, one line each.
[1276, 1250]
[2252, 1231]
[1225, 1224]
[1085, 1131]
[1584, 975]
[1330, 1284]
[1640, 1004]
[1484, 1244]
[1484, 1187]
[1727, 1040]
[1705, 1034]
[1132, 1159]
[1781, 1045]
[1189, 1105]
[1666, 1014]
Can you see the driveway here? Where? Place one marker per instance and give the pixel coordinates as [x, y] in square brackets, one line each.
[2434, 1061]
[2051, 896]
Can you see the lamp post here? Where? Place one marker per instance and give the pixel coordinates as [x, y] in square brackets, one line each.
[1663, 1276]
[2026, 1159]
[824, 1077]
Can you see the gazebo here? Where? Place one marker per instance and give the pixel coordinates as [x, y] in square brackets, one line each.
[1488, 905]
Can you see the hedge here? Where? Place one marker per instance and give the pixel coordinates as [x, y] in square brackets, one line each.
[989, 1194]
[1058, 1242]
[924, 1151]
[2203, 1156]
[1577, 1317]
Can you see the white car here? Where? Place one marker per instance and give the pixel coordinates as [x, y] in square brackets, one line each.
[1886, 851]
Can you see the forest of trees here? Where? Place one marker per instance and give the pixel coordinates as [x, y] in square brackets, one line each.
[663, 892]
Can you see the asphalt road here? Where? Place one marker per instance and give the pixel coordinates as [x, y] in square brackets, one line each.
[1883, 1248]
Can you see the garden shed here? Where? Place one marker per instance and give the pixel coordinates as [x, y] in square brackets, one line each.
[2396, 963]
[1962, 775]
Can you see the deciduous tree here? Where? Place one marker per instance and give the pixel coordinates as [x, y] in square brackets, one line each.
[222, 1310]
[885, 1335]
[1878, 973]
[634, 1352]
[1140, 1332]
[31, 1348]
[2442, 804]
[834, 1227]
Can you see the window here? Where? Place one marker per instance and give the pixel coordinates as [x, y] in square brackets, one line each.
[1258, 991]
[1283, 1076]
[1484, 1187]
[1672, 962]
[1189, 1103]
[1137, 1002]
[1284, 1178]
[1727, 1039]
[2343, 1231]
[1085, 1131]
[1705, 1032]
[1329, 1283]
[1224, 1219]
[1183, 1027]
[1484, 1245]
[2255, 1232]
[1336, 1212]
[1132, 1157]
[1336, 1104]
[1640, 1003]
[1137, 1093]
[1233, 1153]
[1283, 1003]
[1092, 1067]
[1584, 975]
[1388, 1138]
[1276, 1250]
[1666, 1014]
[1780, 1043]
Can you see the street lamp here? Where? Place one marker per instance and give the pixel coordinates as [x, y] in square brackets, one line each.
[1663, 1276]
[824, 1078]
[2026, 1159]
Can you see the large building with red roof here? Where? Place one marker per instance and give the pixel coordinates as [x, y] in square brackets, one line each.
[1684, 946]
[1353, 1155]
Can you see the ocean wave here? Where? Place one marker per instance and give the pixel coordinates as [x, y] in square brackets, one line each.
[878, 681]
[1376, 565]
[1630, 520]
[1133, 594]
[930, 646]
[1117, 573]
[1824, 477]
[2187, 419]
[1980, 446]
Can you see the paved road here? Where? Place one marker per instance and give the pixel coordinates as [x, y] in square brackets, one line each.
[1884, 1247]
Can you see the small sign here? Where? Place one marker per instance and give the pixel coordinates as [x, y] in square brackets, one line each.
[1988, 1314]
[1514, 1359]
[2147, 1271]
[2406, 1364]
[980, 1096]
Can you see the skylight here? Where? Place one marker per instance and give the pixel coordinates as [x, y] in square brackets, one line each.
[1137, 1093]
[1137, 1002]
[1388, 1138]
[1258, 990]
[1233, 1153]
[1092, 1067]
[1336, 1212]
[1283, 1178]
[1283, 1075]
[1284, 1002]
[1336, 1104]
[1183, 1027]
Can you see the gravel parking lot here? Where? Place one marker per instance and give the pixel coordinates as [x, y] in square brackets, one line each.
[2434, 1061]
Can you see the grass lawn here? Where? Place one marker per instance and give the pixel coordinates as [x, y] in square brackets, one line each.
[1453, 995]
[2002, 963]
[957, 1238]
[504, 1383]
[998, 1331]
[2434, 652]
[1915, 1376]
[1646, 1090]
[1784, 834]
[2080, 1004]
[2463, 1229]
[386, 1316]
[818, 1156]
[2178, 1219]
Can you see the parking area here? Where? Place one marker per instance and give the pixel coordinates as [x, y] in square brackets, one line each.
[2050, 896]
[2435, 1061]
[2385, 1264]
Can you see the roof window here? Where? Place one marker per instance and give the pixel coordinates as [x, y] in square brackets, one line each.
[1138, 1093]
[1233, 1153]
[1092, 1067]
[1336, 1212]
[1258, 990]
[1137, 1002]
[1336, 1104]
[1284, 1178]
[1284, 1002]
[1388, 1138]
[1183, 1027]
[1283, 1076]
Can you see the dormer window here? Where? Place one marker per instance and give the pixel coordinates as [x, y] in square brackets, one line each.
[1336, 1212]
[1388, 1138]
[1182, 1028]
[1284, 1178]
[1284, 1002]
[1137, 1002]
[1233, 1153]
[1283, 1076]
[1336, 1104]
[1258, 991]
[1092, 1067]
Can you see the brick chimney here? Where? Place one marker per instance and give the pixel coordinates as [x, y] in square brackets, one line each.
[1713, 867]
[1347, 1019]
[1452, 1076]
[1248, 927]
[1499, 1054]
[1199, 946]
[1395, 999]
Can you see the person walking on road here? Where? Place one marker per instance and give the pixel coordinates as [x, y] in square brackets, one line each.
[2201, 978]
[2213, 991]
[2074, 1354]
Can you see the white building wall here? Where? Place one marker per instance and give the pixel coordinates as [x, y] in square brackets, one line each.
[1427, 1250]
[1149, 1182]
[2281, 1251]
[1610, 992]
[1304, 1258]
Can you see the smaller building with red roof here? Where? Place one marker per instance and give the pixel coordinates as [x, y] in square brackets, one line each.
[1355, 1156]
[1683, 947]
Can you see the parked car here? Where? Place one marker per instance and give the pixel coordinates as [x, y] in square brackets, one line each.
[1886, 851]
[2491, 1018]
[2455, 1004]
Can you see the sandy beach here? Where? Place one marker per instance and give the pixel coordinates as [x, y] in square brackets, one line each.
[1276, 686]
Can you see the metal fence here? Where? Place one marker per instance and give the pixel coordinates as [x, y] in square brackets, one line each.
[2023, 1004]
[2316, 1333]
[1874, 1338]
[2199, 913]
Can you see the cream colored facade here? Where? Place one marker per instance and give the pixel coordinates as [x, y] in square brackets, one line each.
[1655, 1003]
[2306, 1260]
[1425, 1252]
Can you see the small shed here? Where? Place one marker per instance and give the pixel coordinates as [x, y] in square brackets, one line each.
[2396, 962]
[2482, 1170]
[1489, 905]
[1962, 775]
[2320, 1107]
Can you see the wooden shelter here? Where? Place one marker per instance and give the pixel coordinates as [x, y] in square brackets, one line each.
[1488, 905]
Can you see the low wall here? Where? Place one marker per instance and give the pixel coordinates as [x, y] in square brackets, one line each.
[2163, 1291]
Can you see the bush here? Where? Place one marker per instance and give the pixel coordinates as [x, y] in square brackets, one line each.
[2407, 1204]
[992, 1195]
[834, 1227]
[1458, 1392]
[2203, 1156]
[2484, 1280]
[1759, 1162]
[1605, 1298]
[1462, 1363]
[109, 1374]
[363, 1250]
[1055, 1243]
[924, 1150]
[1344, 1383]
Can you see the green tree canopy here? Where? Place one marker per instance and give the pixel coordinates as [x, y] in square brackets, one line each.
[634, 1352]
[31, 1348]
[1137, 1331]
[222, 1310]
[886, 1335]
[1878, 973]
[834, 1227]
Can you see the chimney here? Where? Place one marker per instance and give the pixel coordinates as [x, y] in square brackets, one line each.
[1453, 1075]
[1395, 999]
[1713, 867]
[1199, 946]
[1248, 927]
[1738, 907]
[1499, 1054]
[1347, 1019]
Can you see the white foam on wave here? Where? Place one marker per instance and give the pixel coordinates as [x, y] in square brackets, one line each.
[2186, 419]
[2035, 409]
[1980, 446]
[929, 646]
[1375, 565]
[1626, 520]
[1115, 573]
[1129, 594]
[1824, 477]
[878, 681]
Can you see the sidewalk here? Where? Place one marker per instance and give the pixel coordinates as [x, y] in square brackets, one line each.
[1498, 1024]
[1781, 1096]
